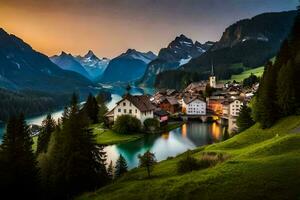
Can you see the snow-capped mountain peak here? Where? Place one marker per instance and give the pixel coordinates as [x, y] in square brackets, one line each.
[94, 65]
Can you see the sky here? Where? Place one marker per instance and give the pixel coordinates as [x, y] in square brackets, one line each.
[110, 27]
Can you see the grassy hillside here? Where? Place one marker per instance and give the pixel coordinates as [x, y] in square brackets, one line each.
[262, 164]
[240, 77]
[245, 74]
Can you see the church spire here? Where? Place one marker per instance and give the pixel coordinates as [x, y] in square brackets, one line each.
[212, 68]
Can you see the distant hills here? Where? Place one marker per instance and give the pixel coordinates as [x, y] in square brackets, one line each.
[179, 52]
[23, 68]
[128, 67]
[246, 44]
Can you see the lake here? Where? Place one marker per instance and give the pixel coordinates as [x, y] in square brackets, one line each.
[188, 136]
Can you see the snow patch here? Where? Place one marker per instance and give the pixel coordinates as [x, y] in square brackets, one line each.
[185, 61]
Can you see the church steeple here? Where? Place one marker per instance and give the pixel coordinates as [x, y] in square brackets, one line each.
[212, 68]
[212, 77]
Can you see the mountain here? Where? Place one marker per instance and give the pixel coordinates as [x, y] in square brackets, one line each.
[248, 43]
[68, 62]
[93, 65]
[127, 67]
[21, 67]
[179, 52]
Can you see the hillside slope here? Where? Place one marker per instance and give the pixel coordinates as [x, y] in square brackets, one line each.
[262, 164]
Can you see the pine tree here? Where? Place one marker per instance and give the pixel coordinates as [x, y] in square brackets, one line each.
[91, 108]
[77, 162]
[286, 91]
[48, 126]
[266, 109]
[244, 120]
[121, 166]
[148, 161]
[110, 171]
[18, 165]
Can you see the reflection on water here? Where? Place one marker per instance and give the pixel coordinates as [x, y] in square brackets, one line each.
[183, 130]
[216, 131]
[188, 136]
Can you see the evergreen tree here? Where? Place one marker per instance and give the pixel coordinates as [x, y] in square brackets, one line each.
[77, 162]
[244, 120]
[110, 171]
[101, 114]
[18, 166]
[148, 161]
[286, 90]
[48, 126]
[265, 108]
[121, 166]
[91, 109]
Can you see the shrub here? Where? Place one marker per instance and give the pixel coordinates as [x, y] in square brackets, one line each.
[151, 124]
[208, 159]
[126, 124]
[187, 164]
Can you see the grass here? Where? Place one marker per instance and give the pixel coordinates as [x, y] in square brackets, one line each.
[107, 136]
[260, 164]
[240, 77]
[245, 74]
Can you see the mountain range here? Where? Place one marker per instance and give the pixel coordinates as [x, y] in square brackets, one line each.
[179, 52]
[23, 68]
[94, 65]
[248, 43]
[127, 67]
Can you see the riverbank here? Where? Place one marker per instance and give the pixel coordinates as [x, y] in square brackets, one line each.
[109, 137]
[262, 164]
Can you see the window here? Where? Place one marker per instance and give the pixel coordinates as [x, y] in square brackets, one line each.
[135, 110]
[124, 104]
[124, 110]
[119, 110]
[130, 111]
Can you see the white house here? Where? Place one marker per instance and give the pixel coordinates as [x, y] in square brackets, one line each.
[138, 106]
[231, 108]
[194, 106]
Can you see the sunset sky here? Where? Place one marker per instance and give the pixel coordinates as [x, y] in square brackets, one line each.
[109, 27]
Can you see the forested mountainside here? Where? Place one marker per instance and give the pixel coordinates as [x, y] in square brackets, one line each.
[29, 102]
[248, 43]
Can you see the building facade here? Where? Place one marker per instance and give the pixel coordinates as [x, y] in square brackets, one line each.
[137, 106]
[194, 107]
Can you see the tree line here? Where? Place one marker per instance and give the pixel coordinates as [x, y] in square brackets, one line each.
[279, 92]
[67, 160]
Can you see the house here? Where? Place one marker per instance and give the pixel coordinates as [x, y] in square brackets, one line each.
[193, 106]
[196, 87]
[162, 116]
[231, 107]
[215, 104]
[138, 106]
[169, 104]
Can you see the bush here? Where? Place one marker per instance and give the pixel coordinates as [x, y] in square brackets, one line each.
[207, 160]
[151, 125]
[127, 124]
[187, 164]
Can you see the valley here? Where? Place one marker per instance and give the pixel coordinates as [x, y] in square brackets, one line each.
[148, 100]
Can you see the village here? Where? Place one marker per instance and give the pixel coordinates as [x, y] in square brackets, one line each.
[206, 101]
